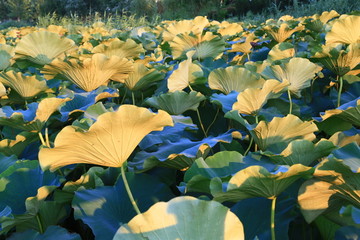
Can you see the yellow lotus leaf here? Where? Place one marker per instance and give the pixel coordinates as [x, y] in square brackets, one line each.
[327, 16]
[196, 26]
[251, 100]
[206, 45]
[257, 67]
[234, 79]
[244, 47]
[142, 77]
[90, 73]
[108, 142]
[229, 29]
[345, 30]
[47, 107]
[57, 29]
[281, 51]
[25, 86]
[2, 90]
[282, 32]
[298, 72]
[6, 55]
[277, 134]
[128, 49]
[184, 75]
[2, 39]
[337, 60]
[340, 139]
[42, 47]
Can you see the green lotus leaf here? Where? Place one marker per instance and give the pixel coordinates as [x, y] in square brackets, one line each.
[344, 30]
[183, 218]
[25, 86]
[334, 185]
[303, 151]
[90, 73]
[142, 77]
[42, 47]
[280, 51]
[350, 154]
[185, 74]
[256, 181]
[108, 142]
[123, 49]
[6, 54]
[234, 79]
[277, 134]
[176, 103]
[208, 45]
[251, 100]
[51, 231]
[349, 112]
[298, 72]
[341, 139]
[17, 145]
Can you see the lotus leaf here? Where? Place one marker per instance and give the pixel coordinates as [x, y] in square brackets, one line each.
[183, 218]
[42, 47]
[244, 47]
[16, 146]
[6, 55]
[298, 72]
[128, 49]
[344, 30]
[234, 79]
[256, 181]
[109, 142]
[225, 101]
[205, 46]
[281, 51]
[25, 86]
[304, 152]
[176, 103]
[334, 185]
[142, 77]
[251, 100]
[227, 29]
[185, 74]
[52, 232]
[111, 203]
[277, 134]
[282, 32]
[341, 139]
[90, 73]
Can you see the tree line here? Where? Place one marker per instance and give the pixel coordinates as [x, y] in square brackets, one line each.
[29, 10]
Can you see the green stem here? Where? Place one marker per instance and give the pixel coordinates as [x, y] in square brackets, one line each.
[201, 124]
[256, 121]
[213, 121]
[133, 97]
[123, 99]
[341, 83]
[41, 229]
[290, 101]
[127, 187]
[248, 149]
[272, 225]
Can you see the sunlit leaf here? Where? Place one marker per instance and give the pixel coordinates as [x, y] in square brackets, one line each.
[122, 49]
[6, 54]
[142, 77]
[345, 30]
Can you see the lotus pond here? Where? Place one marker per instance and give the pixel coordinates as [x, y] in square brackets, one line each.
[192, 129]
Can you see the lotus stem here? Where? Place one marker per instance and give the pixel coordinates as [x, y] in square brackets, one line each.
[272, 224]
[213, 121]
[290, 101]
[248, 149]
[127, 187]
[41, 229]
[47, 137]
[201, 124]
[133, 97]
[123, 99]
[341, 83]
[42, 139]
[256, 121]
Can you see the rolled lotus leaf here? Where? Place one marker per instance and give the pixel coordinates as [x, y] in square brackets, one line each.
[25, 86]
[108, 142]
[207, 45]
[344, 30]
[90, 73]
[176, 103]
[282, 32]
[234, 79]
[185, 74]
[277, 134]
[128, 49]
[251, 100]
[298, 72]
[42, 47]
[142, 77]
[185, 218]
